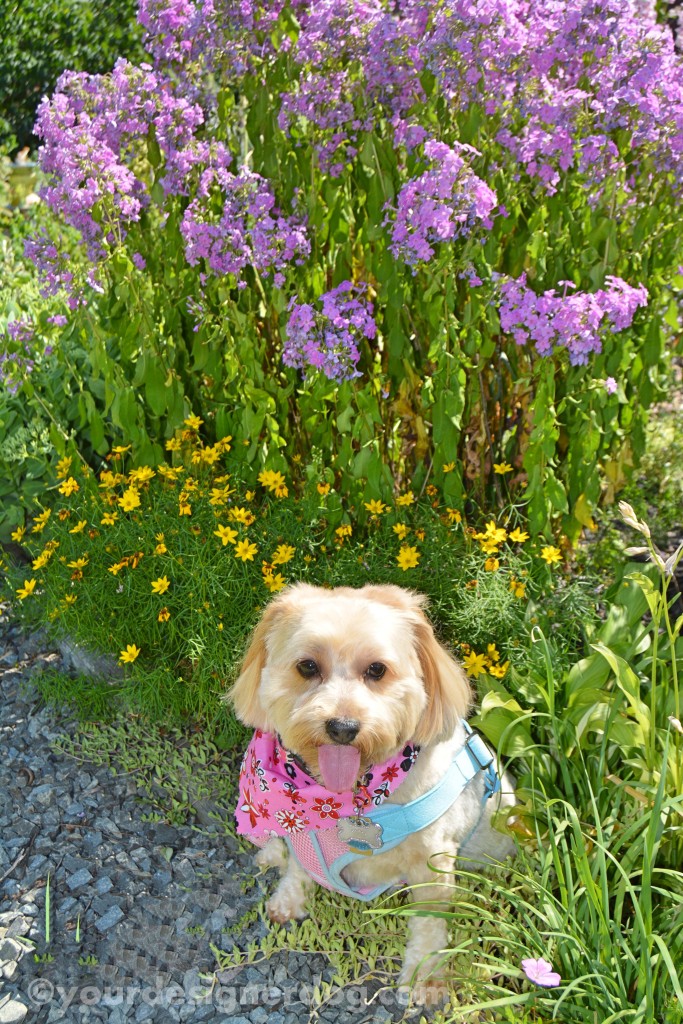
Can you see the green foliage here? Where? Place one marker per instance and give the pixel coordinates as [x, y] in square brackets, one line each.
[43, 38]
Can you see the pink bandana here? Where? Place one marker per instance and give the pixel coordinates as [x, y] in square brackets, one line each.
[278, 797]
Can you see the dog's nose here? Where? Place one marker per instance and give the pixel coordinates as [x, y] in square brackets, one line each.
[342, 730]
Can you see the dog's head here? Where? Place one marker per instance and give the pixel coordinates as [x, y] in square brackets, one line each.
[348, 677]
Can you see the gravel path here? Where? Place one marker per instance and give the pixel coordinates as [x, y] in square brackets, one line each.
[134, 904]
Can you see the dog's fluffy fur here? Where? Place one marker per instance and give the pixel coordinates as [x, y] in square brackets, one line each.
[421, 698]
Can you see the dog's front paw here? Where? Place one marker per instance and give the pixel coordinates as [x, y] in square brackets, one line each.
[287, 904]
[420, 986]
[272, 855]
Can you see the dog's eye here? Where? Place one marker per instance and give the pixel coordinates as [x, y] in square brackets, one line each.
[307, 668]
[376, 670]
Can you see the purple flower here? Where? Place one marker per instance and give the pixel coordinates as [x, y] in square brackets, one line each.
[610, 385]
[541, 973]
[328, 341]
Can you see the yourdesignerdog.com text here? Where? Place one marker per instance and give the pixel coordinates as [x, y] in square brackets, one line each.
[225, 998]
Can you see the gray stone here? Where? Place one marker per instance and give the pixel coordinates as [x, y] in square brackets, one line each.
[10, 949]
[12, 1012]
[103, 885]
[42, 795]
[145, 1011]
[161, 879]
[89, 663]
[111, 918]
[18, 927]
[79, 879]
[9, 969]
[92, 841]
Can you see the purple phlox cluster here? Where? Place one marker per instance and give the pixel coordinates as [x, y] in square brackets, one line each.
[92, 127]
[54, 268]
[17, 353]
[328, 340]
[446, 202]
[358, 62]
[575, 321]
[234, 222]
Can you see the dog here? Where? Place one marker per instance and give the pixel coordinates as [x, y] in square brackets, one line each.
[362, 773]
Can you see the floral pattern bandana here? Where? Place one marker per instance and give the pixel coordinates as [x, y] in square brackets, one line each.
[279, 797]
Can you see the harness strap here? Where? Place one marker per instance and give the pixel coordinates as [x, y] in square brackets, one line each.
[401, 820]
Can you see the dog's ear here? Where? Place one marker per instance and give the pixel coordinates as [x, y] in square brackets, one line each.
[245, 692]
[447, 687]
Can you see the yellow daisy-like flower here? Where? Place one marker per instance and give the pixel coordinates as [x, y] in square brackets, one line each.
[551, 554]
[40, 521]
[174, 444]
[129, 655]
[107, 479]
[492, 564]
[493, 653]
[224, 443]
[121, 449]
[116, 568]
[323, 489]
[342, 532]
[401, 530]
[489, 546]
[408, 557]
[375, 507]
[220, 495]
[161, 548]
[245, 551]
[41, 560]
[109, 518]
[501, 468]
[448, 467]
[164, 615]
[518, 536]
[18, 534]
[129, 500]
[78, 563]
[241, 515]
[272, 480]
[283, 554]
[475, 664]
[161, 585]
[70, 599]
[517, 587]
[141, 475]
[499, 671]
[80, 526]
[420, 534]
[68, 487]
[406, 499]
[453, 515]
[274, 583]
[226, 535]
[193, 422]
[27, 589]
[184, 508]
[63, 466]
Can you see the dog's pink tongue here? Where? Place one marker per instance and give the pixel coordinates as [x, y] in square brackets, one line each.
[339, 766]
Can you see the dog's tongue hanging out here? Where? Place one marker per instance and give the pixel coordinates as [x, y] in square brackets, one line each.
[339, 766]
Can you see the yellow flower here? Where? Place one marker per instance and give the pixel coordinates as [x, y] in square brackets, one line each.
[273, 481]
[80, 526]
[191, 484]
[68, 487]
[141, 475]
[40, 521]
[274, 583]
[420, 534]
[63, 466]
[453, 515]
[120, 449]
[492, 564]
[28, 588]
[220, 495]
[224, 443]
[323, 488]
[551, 554]
[493, 653]
[245, 551]
[501, 468]
[116, 568]
[173, 444]
[161, 548]
[184, 509]
[448, 467]
[168, 472]
[475, 664]
[18, 534]
[408, 557]
[161, 585]
[226, 534]
[283, 553]
[193, 422]
[129, 655]
[401, 530]
[342, 532]
[107, 479]
[70, 599]
[241, 515]
[130, 500]
[109, 518]
[164, 615]
[375, 507]
[488, 546]
[78, 563]
[499, 671]
[406, 499]
[518, 536]
[41, 560]
[518, 588]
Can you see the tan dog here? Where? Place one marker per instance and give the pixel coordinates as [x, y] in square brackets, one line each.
[339, 682]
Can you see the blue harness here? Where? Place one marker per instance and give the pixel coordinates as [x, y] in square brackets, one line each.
[395, 822]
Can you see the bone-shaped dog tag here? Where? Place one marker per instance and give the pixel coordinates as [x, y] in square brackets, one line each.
[361, 834]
